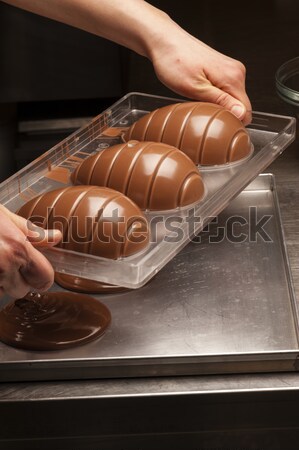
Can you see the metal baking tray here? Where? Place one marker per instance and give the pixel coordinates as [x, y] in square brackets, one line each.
[224, 304]
[270, 135]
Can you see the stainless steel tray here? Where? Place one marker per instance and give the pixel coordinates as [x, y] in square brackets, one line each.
[224, 304]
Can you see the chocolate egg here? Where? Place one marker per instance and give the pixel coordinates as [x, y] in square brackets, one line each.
[155, 176]
[207, 133]
[93, 220]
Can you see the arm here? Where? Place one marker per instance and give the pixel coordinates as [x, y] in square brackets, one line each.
[182, 62]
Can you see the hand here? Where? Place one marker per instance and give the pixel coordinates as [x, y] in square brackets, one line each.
[23, 267]
[194, 70]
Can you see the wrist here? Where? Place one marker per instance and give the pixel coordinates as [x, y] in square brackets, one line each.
[164, 39]
[157, 33]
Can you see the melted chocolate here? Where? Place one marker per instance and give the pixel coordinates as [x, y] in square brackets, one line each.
[207, 133]
[53, 321]
[79, 284]
[155, 176]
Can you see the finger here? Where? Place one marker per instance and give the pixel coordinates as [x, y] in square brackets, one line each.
[37, 271]
[244, 114]
[39, 237]
[240, 95]
[210, 93]
[43, 238]
[15, 285]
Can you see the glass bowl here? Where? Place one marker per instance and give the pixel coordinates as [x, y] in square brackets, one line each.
[287, 82]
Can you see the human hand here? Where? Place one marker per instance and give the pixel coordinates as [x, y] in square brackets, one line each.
[22, 266]
[195, 70]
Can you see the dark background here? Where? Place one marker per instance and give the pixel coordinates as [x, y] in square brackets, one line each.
[49, 70]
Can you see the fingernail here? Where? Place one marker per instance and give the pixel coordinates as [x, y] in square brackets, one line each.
[37, 233]
[238, 111]
[32, 227]
[52, 235]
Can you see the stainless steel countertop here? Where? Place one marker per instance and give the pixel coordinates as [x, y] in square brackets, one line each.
[137, 407]
[259, 410]
[286, 170]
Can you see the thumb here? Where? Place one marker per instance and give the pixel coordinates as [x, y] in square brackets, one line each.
[215, 95]
[37, 236]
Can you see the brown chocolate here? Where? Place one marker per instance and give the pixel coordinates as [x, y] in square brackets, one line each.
[207, 133]
[79, 284]
[155, 176]
[53, 321]
[93, 220]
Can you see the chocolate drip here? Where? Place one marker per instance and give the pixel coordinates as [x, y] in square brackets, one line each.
[79, 284]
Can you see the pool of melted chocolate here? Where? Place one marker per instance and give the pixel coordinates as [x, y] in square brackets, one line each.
[53, 321]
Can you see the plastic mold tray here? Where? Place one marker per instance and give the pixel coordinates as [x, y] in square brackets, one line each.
[270, 135]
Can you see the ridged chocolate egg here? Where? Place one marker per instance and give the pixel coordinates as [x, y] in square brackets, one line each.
[93, 220]
[155, 176]
[207, 133]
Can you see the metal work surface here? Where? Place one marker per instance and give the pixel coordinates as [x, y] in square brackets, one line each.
[224, 304]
